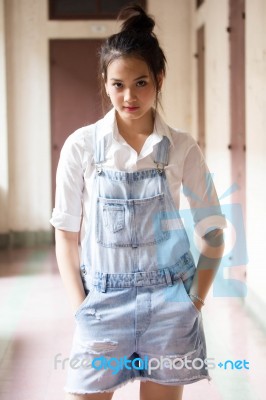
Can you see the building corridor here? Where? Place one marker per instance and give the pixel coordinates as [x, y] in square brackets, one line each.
[36, 324]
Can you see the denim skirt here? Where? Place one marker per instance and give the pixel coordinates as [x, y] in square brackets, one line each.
[140, 325]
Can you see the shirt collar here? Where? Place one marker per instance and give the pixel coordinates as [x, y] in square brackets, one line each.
[161, 128]
[108, 125]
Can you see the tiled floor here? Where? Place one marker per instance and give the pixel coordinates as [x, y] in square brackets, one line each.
[36, 324]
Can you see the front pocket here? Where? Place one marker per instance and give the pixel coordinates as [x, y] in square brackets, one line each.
[114, 217]
[131, 223]
[150, 220]
[185, 288]
[84, 303]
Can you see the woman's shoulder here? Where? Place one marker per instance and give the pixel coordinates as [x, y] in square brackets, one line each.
[84, 136]
[185, 148]
[82, 139]
[80, 136]
[180, 135]
[179, 138]
[182, 141]
[78, 147]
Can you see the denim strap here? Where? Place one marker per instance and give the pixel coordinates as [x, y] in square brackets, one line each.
[162, 154]
[99, 147]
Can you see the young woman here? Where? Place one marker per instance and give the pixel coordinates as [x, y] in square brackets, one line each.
[135, 290]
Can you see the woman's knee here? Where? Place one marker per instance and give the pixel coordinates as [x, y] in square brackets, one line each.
[156, 391]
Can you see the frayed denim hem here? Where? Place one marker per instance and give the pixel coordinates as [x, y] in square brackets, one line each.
[172, 382]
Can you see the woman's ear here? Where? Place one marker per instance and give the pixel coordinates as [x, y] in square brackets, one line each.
[105, 84]
[160, 80]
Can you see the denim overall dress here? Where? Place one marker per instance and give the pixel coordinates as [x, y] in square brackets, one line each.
[137, 320]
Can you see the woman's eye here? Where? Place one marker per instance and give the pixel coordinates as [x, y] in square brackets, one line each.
[117, 85]
[141, 83]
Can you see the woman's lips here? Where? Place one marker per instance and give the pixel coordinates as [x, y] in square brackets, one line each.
[131, 109]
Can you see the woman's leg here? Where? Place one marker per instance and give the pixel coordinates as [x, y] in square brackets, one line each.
[156, 391]
[94, 396]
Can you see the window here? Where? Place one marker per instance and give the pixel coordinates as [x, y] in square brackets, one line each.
[87, 9]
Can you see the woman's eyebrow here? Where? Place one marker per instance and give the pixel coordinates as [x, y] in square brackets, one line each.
[136, 79]
[141, 77]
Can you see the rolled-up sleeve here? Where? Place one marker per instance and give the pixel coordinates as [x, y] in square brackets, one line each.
[67, 212]
[200, 191]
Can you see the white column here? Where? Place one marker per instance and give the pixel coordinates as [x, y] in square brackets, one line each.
[4, 187]
[28, 115]
[173, 20]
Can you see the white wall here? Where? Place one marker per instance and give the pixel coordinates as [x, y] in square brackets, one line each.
[214, 15]
[256, 145]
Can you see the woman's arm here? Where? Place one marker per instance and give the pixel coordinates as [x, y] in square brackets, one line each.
[67, 254]
[207, 215]
[211, 254]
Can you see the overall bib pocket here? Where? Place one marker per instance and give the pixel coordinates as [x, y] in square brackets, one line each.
[114, 217]
[131, 223]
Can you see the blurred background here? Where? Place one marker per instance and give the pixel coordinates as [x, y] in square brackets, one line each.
[215, 89]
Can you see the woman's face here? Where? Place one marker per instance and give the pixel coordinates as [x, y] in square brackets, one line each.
[131, 87]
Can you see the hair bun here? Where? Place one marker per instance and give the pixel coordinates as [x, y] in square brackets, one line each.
[136, 20]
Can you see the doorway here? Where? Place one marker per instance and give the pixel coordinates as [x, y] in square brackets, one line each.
[75, 91]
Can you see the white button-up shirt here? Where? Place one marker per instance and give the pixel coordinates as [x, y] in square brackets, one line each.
[186, 169]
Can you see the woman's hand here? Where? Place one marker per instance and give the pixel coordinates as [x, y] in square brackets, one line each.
[197, 304]
[67, 254]
[211, 254]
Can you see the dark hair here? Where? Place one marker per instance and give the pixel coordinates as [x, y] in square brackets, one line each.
[135, 39]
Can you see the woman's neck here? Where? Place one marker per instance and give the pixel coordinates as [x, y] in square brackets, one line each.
[132, 127]
[136, 131]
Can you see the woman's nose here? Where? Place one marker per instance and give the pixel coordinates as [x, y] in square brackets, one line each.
[129, 95]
